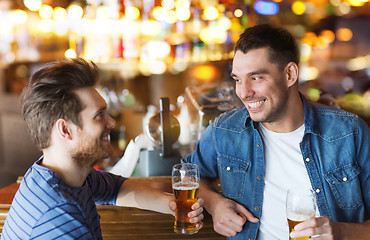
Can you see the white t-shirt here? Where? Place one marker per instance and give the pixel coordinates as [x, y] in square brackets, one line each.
[284, 169]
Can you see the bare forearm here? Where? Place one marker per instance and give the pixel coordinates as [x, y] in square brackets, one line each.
[136, 194]
[209, 193]
[354, 231]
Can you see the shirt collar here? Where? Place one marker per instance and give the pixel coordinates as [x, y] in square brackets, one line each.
[309, 116]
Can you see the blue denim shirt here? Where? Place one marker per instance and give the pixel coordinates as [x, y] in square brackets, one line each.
[335, 150]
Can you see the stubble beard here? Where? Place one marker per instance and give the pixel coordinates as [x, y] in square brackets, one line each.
[276, 112]
[90, 152]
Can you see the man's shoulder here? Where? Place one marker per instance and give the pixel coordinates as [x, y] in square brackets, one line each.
[326, 113]
[39, 191]
[235, 118]
[334, 123]
[34, 198]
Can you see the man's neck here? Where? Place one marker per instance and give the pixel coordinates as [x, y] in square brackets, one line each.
[65, 167]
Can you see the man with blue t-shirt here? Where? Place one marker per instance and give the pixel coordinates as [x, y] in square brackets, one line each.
[279, 140]
[68, 120]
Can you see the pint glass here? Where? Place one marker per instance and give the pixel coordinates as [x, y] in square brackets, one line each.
[300, 206]
[185, 185]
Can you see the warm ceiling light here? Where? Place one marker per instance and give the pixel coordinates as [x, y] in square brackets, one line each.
[33, 5]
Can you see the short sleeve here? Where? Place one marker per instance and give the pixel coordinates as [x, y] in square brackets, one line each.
[104, 186]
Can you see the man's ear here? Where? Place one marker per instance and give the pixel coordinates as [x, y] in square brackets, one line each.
[63, 128]
[291, 72]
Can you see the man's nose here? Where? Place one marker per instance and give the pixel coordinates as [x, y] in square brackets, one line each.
[244, 90]
[111, 123]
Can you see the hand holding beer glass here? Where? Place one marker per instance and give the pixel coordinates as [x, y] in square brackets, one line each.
[300, 206]
[185, 185]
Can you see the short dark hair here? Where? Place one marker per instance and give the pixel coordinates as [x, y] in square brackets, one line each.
[49, 96]
[282, 45]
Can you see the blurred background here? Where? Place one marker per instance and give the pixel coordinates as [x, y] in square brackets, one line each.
[180, 49]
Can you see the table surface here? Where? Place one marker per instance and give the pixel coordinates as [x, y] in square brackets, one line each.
[129, 223]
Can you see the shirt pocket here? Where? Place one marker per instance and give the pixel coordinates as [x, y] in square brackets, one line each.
[345, 185]
[233, 173]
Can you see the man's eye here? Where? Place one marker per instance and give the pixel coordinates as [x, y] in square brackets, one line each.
[99, 116]
[256, 78]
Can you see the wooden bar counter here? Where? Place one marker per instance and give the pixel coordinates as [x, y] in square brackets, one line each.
[129, 223]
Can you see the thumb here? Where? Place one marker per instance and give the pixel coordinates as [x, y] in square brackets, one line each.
[172, 205]
[247, 214]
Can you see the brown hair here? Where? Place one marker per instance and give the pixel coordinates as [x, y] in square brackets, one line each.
[49, 96]
[282, 46]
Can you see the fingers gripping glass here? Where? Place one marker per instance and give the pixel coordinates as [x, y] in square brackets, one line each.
[185, 185]
[300, 206]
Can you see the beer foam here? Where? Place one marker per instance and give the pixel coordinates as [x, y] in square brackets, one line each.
[301, 216]
[185, 186]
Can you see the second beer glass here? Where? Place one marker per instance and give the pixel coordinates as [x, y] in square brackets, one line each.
[300, 206]
[185, 185]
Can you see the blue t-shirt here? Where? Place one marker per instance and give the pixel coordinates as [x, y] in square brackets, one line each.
[45, 207]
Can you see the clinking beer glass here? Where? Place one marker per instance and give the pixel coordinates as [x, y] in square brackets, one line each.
[300, 206]
[185, 185]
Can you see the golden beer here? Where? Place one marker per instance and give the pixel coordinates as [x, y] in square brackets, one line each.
[186, 194]
[292, 224]
[300, 206]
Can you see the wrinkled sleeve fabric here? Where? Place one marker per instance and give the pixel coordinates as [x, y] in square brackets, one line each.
[363, 153]
[105, 186]
[205, 154]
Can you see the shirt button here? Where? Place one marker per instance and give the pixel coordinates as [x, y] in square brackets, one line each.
[256, 208]
[228, 168]
[258, 145]
[250, 238]
[307, 159]
[259, 177]
[317, 190]
[345, 179]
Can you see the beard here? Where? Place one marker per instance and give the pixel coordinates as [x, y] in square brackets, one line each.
[90, 151]
[276, 112]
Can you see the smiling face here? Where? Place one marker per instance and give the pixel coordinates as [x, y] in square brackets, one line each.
[261, 85]
[93, 138]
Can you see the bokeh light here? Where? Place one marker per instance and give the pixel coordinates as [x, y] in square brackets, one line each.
[70, 53]
[328, 35]
[298, 7]
[238, 13]
[210, 13]
[33, 5]
[168, 4]
[159, 13]
[75, 11]
[266, 8]
[132, 13]
[305, 52]
[356, 3]
[46, 26]
[171, 17]
[183, 13]
[343, 9]
[103, 12]
[46, 11]
[344, 34]
[59, 14]
[19, 16]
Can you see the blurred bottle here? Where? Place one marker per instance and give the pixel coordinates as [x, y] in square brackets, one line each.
[122, 141]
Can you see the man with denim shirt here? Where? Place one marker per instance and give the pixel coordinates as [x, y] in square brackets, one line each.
[279, 140]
